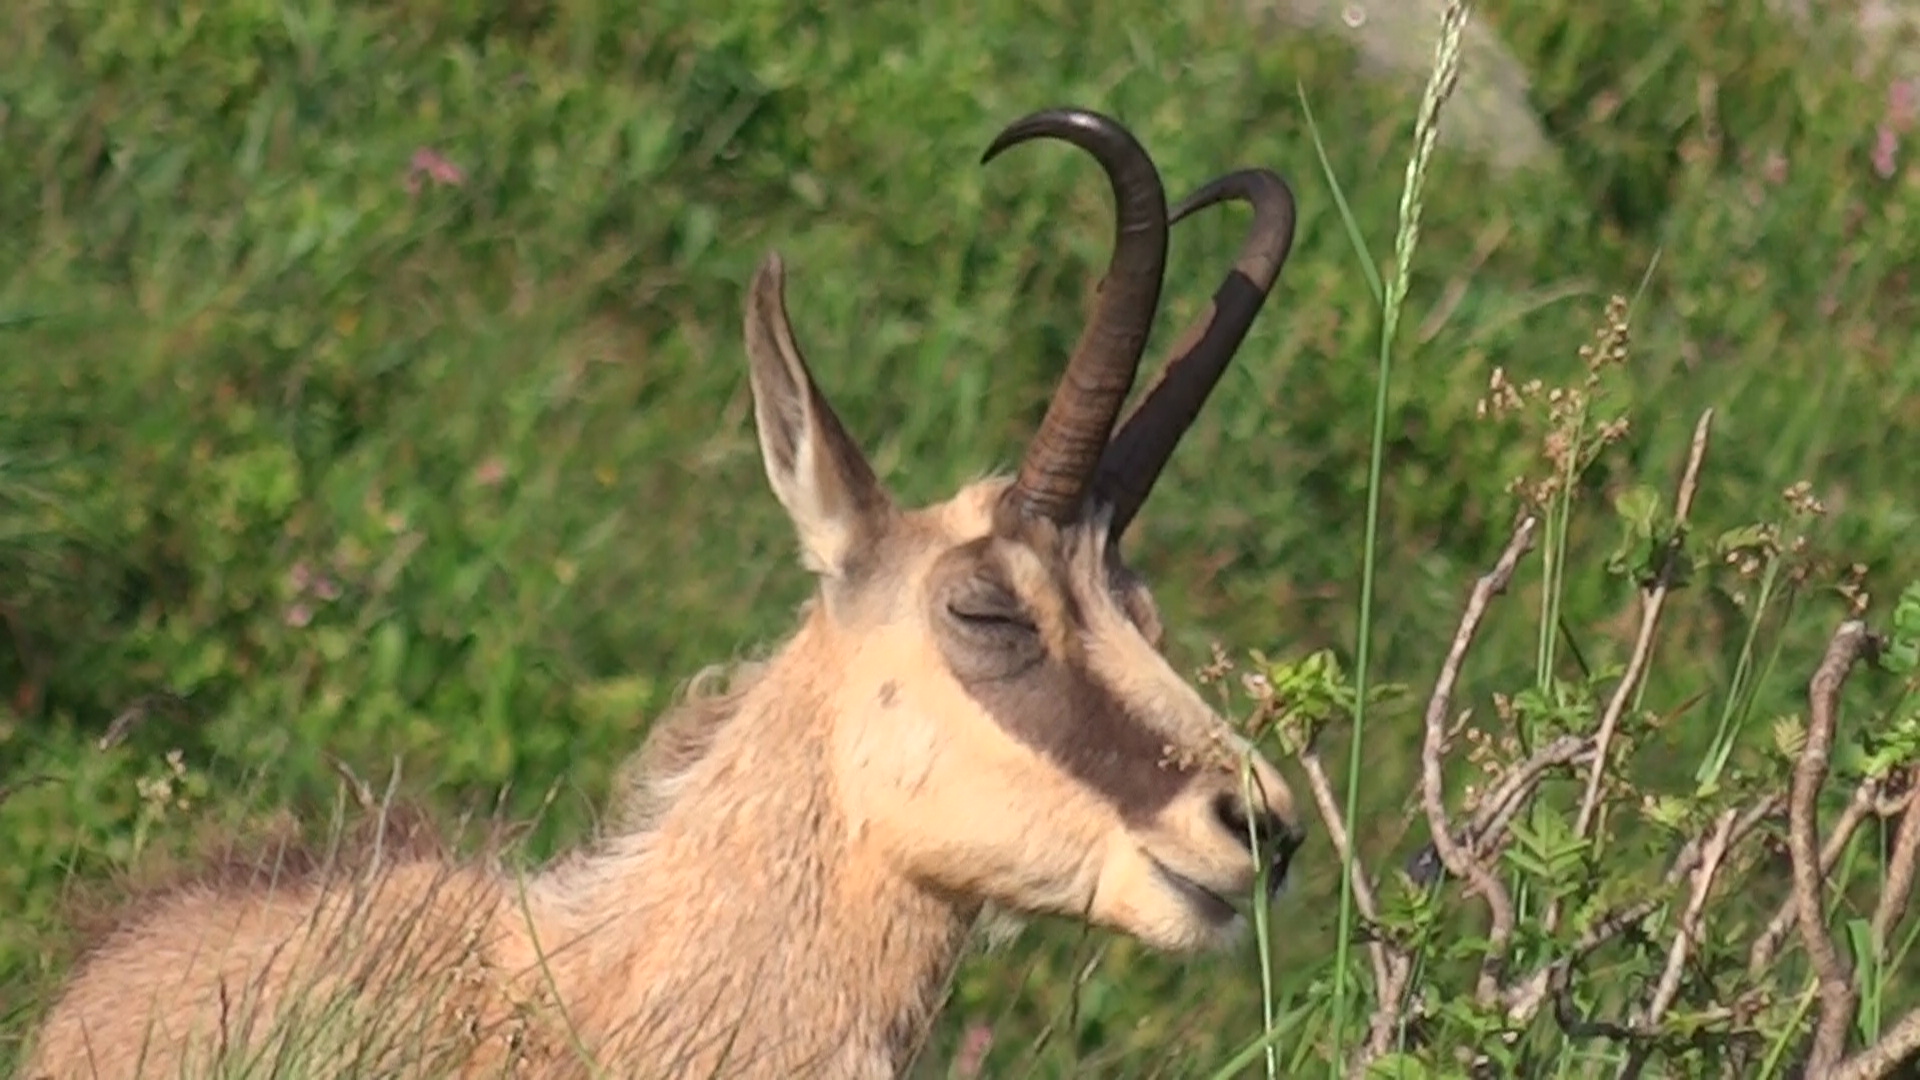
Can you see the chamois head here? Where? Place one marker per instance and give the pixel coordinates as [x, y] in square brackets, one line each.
[1003, 727]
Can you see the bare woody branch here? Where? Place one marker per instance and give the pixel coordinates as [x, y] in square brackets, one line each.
[1713, 853]
[1701, 858]
[1838, 1000]
[1766, 947]
[1469, 849]
[1322, 788]
[1524, 998]
[1483, 836]
[1511, 794]
[1392, 968]
[1900, 866]
[1653, 601]
[1896, 1048]
[1433, 748]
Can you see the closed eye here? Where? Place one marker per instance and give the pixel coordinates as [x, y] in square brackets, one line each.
[1000, 619]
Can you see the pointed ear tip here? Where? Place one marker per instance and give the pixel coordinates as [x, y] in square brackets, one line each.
[772, 271]
[766, 299]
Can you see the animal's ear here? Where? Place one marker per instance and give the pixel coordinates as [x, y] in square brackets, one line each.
[1137, 601]
[837, 504]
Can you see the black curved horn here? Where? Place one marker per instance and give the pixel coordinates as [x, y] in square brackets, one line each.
[1138, 453]
[1059, 464]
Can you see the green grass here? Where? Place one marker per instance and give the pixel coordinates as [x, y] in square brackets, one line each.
[298, 463]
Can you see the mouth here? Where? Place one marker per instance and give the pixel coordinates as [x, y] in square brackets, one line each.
[1213, 907]
[1280, 866]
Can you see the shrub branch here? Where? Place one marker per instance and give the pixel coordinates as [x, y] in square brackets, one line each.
[1838, 1000]
[1654, 599]
[1470, 849]
[1900, 866]
[1766, 947]
[1455, 857]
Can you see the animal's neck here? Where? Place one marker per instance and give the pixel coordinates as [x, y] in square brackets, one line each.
[753, 931]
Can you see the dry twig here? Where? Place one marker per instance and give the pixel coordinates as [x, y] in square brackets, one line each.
[1363, 899]
[1766, 947]
[1838, 1000]
[1511, 793]
[1524, 998]
[1895, 1048]
[1898, 885]
[1714, 851]
[1654, 599]
[1455, 858]
[1470, 850]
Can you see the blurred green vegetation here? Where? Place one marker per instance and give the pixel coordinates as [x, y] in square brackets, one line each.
[370, 383]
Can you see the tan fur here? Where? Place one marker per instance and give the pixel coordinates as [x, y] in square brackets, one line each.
[798, 857]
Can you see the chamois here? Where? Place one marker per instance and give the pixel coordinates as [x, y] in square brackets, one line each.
[974, 711]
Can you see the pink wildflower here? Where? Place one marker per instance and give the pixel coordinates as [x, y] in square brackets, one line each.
[434, 166]
[973, 1051]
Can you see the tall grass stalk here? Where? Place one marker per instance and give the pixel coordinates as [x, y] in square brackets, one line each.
[1441, 81]
[1262, 923]
[1736, 708]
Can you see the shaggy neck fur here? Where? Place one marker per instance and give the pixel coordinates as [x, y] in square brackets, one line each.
[787, 946]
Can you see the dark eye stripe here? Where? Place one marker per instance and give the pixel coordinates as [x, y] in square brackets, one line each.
[1057, 706]
[1071, 718]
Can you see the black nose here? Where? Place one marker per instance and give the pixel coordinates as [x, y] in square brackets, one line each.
[1232, 815]
[1280, 839]
[1284, 847]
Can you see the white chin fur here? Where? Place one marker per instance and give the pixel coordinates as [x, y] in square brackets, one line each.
[1231, 935]
[1217, 937]
[1189, 935]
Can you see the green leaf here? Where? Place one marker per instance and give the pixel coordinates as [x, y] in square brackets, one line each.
[1639, 507]
[1789, 736]
[1740, 539]
[1902, 656]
